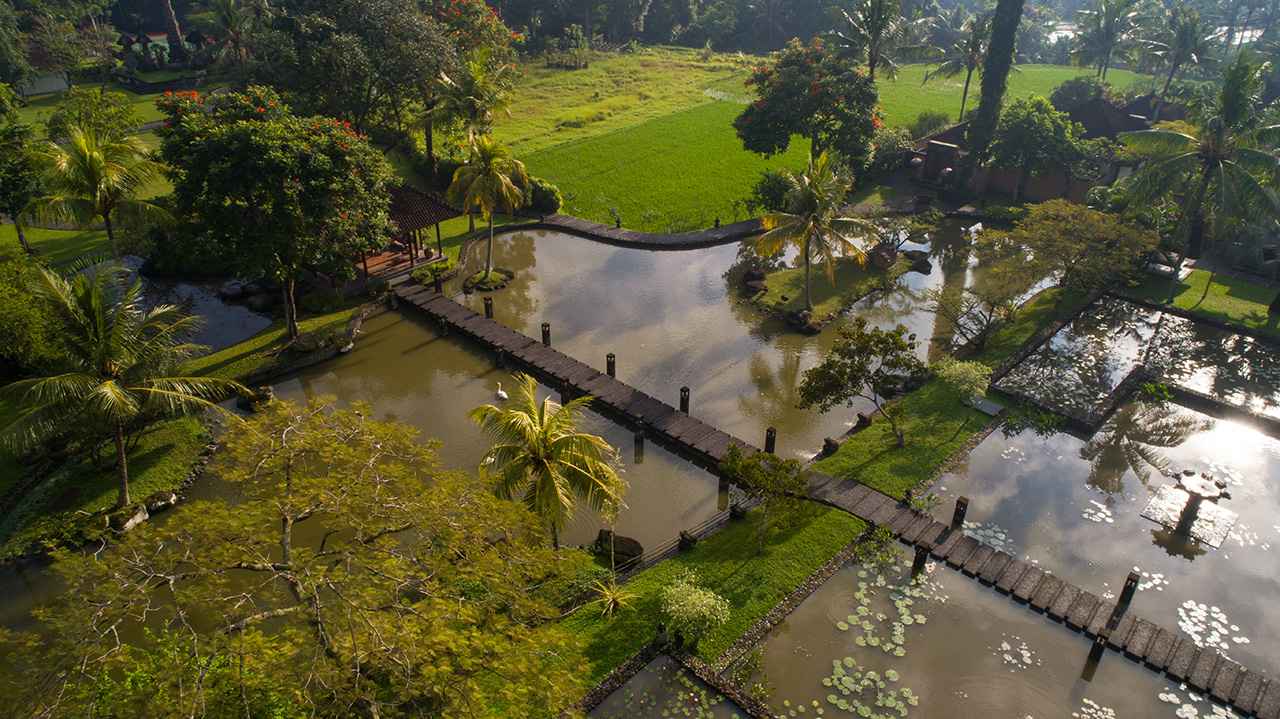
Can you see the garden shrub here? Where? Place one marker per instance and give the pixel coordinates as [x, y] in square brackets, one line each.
[544, 197]
[183, 252]
[28, 332]
[893, 147]
[427, 274]
[929, 122]
[1079, 90]
[321, 300]
[1004, 214]
[691, 611]
[770, 192]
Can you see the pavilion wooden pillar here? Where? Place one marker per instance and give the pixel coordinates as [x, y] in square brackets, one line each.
[439, 242]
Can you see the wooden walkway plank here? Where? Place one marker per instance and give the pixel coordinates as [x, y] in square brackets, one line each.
[1200, 676]
[996, 566]
[1081, 613]
[1101, 616]
[1250, 691]
[916, 528]
[978, 560]
[947, 543]
[1160, 649]
[884, 515]
[1268, 705]
[1183, 657]
[1225, 681]
[962, 551]
[1135, 647]
[1119, 637]
[904, 520]
[1062, 603]
[1048, 590]
[1027, 584]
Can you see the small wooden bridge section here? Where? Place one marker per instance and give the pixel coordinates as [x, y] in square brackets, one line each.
[1169, 651]
[687, 436]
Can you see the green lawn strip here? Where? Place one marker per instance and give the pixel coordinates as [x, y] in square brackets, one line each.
[677, 172]
[58, 248]
[618, 90]
[65, 509]
[40, 107]
[1230, 299]
[935, 422]
[785, 288]
[728, 563]
[261, 351]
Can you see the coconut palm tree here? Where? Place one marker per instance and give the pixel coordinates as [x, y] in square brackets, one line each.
[490, 182]
[119, 370]
[1181, 39]
[1106, 29]
[966, 56]
[475, 94]
[877, 31]
[173, 33]
[812, 222]
[232, 22]
[1228, 163]
[90, 178]
[541, 458]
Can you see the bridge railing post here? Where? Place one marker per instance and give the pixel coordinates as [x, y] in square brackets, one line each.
[962, 508]
[770, 440]
[546, 334]
[611, 364]
[488, 308]
[684, 399]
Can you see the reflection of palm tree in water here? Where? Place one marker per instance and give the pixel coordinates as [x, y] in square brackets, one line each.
[1132, 439]
[514, 304]
[777, 394]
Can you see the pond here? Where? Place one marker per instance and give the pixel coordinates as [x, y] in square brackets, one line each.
[665, 689]
[871, 643]
[678, 318]
[1074, 506]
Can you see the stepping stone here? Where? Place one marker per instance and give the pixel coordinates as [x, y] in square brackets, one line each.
[1100, 617]
[916, 528]
[1027, 584]
[902, 521]
[1160, 649]
[1184, 655]
[1224, 682]
[977, 560]
[1012, 576]
[1081, 612]
[1249, 693]
[844, 493]
[1136, 645]
[1062, 603]
[869, 505]
[932, 533]
[995, 567]
[885, 514]
[947, 543]
[1200, 676]
[1268, 705]
[1048, 590]
[1120, 635]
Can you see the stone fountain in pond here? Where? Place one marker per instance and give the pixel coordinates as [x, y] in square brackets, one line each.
[1183, 509]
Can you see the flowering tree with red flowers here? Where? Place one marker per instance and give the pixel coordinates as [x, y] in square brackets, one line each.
[812, 92]
[277, 193]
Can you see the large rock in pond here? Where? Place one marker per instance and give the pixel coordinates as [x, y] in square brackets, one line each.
[626, 551]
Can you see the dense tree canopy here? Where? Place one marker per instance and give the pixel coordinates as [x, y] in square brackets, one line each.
[814, 92]
[282, 194]
[1033, 138]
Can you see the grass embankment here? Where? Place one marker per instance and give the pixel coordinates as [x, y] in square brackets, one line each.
[1229, 299]
[57, 248]
[853, 281]
[728, 564]
[935, 422]
[67, 507]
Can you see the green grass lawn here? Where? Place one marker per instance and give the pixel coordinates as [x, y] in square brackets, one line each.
[56, 247]
[934, 420]
[1229, 299]
[677, 172]
[903, 98]
[852, 282]
[728, 564]
[39, 108]
[260, 351]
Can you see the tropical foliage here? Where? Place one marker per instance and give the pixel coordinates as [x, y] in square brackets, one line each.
[877, 31]
[542, 459]
[965, 57]
[491, 181]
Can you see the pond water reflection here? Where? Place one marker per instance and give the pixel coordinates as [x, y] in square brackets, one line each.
[665, 689]
[871, 643]
[1074, 505]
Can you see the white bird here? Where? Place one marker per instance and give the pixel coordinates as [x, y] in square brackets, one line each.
[502, 396]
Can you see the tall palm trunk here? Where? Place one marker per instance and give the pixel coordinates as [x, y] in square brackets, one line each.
[488, 255]
[173, 32]
[22, 236]
[964, 96]
[111, 234]
[122, 468]
[808, 293]
[555, 536]
[1195, 215]
[995, 78]
[1164, 92]
[291, 308]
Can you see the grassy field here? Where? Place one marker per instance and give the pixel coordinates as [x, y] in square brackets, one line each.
[934, 420]
[729, 564]
[650, 136]
[1229, 299]
[40, 107]
[56, 247]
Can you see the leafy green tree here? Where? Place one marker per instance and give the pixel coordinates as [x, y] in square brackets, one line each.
[812, 222]
[109, 115]
[542, 459]
[29, 340]
[15, 67]
[1106, 30]
[89, 178]
[281, 194]
[1225, 162]
[875, 30]
[19, 175]
[966, 380]
[865, 365]
[995, 77]
[476, 93]
[1078, 91]
[1181, 40]
[233, 22]
[173, 33]
[774, 481]
[965, 57]
[119, 369]
[815, 93]
[690, 610]
[356, 578]
[1034, 138]
[489, 182]
[1083, 248]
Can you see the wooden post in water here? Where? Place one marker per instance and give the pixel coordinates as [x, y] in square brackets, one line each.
[546, 333]
[488, 308]
[917, 565]
[684, 399]
[611, 364]
[1095, 656]
[639, 453]
[770, 439]
[962, 508]
[1126, 598]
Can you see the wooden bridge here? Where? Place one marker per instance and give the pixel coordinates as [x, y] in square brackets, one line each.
[1111, 627]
